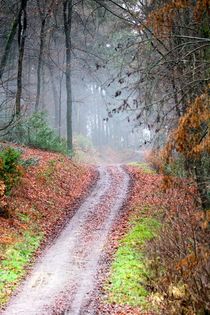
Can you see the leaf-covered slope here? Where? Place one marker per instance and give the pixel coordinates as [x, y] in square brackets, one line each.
[39, 206]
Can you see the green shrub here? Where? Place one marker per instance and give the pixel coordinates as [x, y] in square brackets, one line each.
[10, 167]
[36, 132]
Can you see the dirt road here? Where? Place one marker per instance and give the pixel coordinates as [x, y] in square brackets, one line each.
[63, 278]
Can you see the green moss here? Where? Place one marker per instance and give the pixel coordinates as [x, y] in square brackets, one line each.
[12, 267]
[130, 269]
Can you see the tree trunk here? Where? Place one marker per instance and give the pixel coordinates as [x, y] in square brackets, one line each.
[8, 46]
[60, 104]
[22, 26]
[67, 15]
[41, 50]
[55, 97]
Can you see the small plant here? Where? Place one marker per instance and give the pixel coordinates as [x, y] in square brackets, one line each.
[10, 168]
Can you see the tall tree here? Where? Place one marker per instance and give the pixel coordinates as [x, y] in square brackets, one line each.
[44, 14]
[8, 45]
[22, 26]
[67, 18]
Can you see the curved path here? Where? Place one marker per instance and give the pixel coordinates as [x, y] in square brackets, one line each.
[63, 278]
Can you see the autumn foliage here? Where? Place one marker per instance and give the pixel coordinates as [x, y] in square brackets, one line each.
[189, 143]
[192, 135]
[182, 249]
[47, 194]
[162, 18]
[180, 256]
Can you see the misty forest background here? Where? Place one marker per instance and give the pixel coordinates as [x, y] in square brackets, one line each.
[121, 74]
[34, 67]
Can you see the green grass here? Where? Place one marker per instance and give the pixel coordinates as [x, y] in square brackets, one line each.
[16, 257]
[143, 166]
[130, 269]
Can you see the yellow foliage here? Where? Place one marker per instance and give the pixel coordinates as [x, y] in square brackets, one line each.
[178, 292]
[156, 299]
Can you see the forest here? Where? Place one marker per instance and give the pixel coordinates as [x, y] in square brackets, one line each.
[105, 98]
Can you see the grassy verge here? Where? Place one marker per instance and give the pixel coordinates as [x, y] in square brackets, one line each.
[143, 166]
[130, 269]
[15, 258]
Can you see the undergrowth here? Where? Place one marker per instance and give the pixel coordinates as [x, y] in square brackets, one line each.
[10, 168]
[15, 257]
[130, 269]
[36, 132]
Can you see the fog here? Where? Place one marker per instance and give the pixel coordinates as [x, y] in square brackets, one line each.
[103, 100]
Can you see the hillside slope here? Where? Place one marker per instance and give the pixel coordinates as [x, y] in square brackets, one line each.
[48, 194]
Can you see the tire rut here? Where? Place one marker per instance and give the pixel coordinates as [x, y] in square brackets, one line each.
[63, 278]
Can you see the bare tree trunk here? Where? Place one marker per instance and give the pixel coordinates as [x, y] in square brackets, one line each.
[55, 97]
[8, 46]
[44, 15]
[59, 104]
[22, 26]
[67, 15]
[41, 50]
[29, 76]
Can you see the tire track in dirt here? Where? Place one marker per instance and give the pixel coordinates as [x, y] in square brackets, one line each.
[63, 278]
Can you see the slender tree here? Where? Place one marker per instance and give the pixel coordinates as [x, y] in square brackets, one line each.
[22, 26]
[67, 18]
[44, 14]
[8, 45]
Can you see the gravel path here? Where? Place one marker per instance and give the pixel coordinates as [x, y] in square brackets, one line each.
[63, 278]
